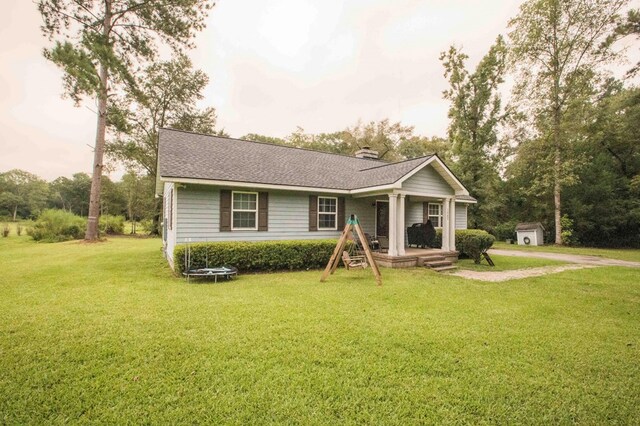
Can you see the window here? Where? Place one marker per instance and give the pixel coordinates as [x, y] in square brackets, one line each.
[244, 210]
[327, 213]
[435, 214]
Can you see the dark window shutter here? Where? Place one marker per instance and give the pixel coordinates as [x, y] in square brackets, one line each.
[313, 212]
[340, 220]
[263, 211]
[425, 212]
[225, 210]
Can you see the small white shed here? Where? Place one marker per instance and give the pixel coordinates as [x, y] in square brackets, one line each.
[530, 234]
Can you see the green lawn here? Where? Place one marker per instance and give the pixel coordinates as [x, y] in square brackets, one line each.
[507, 263]
[622, 254]
[103, 333]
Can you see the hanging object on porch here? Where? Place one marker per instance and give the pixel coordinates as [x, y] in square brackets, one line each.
[352, 223]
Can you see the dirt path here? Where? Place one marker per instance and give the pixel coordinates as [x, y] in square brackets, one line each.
[571, 258]
[516, 273]
[577, 262]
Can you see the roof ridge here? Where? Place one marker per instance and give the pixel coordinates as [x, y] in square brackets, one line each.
[273, 144]
[425, 157]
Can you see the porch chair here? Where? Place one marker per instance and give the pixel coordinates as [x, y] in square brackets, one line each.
[353, 262]
[383, 243]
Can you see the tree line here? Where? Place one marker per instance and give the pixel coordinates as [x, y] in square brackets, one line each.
[24, 195]
[562, 147]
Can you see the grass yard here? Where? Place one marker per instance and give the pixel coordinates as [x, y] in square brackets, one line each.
[507, 263]
[622, 254]
[103, 333]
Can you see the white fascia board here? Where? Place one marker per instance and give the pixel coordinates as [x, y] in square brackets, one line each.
[389, 187]
[466, 201]
[235, 184]
[424, 194]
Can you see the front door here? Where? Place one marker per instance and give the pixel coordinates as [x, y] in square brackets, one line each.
[382, 218]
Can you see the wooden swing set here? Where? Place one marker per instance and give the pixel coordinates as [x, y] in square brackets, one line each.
[351, 262]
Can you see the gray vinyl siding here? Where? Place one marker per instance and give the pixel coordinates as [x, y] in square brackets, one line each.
[198, 216]
[429, 182]
[413, 213]
[461, 216]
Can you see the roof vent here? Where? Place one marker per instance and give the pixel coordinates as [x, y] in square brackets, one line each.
[367, 152]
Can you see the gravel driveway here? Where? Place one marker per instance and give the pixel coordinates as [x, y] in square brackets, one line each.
[577, 262]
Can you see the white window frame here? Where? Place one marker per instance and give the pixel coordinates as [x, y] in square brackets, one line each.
[335, 228]
[233, 193]
[440, 216]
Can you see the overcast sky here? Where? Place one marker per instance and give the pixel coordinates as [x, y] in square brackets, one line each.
[273, 65]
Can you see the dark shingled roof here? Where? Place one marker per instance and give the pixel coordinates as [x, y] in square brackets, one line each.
[196, 156]
[529, 226]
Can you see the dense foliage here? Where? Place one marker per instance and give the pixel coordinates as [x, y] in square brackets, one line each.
[111, 225]
[470, 243]
[256, 256]
[57, 225]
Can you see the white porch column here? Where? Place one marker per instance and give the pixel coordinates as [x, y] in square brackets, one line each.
[446, 231]
[452, 222]
[400, 228]
[393, 234]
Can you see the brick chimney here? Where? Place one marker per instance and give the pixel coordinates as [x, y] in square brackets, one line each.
[367, 152]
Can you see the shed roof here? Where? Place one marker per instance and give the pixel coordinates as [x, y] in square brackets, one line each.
[184, 154]
[529, 226]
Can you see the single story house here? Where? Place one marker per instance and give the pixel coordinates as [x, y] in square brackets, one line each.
[222, 189]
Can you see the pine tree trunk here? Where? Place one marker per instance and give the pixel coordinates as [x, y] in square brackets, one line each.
[15, 212]
[557, 164]
[556, 197]
[101, 130]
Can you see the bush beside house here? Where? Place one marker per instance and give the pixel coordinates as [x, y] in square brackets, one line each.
[469, 242]
[257, 256]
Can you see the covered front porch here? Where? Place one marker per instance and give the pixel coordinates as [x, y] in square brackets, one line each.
[387, 216]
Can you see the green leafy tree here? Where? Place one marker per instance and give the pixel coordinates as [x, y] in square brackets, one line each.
[558, 48]
[166, 97]
[382, 136]
[475, 113]
[419, 146]
[137, 190]
[72, 194]
[22, 193]
[264, 139]
[99, 43]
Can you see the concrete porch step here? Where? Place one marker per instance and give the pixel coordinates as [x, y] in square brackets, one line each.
[437, 263]
[424, 260]
[444, 268]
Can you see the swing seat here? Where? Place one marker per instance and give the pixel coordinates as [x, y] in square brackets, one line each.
[353, 262]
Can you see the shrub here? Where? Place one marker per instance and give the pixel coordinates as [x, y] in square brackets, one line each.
[19, 230]
[146, 225]
[111, 225]
[57, 225]
[5, 230]
[257, 256]
[505, 231]
[473, 242]
[469, 242]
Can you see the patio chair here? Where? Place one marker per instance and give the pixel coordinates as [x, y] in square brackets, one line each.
[383, 243]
